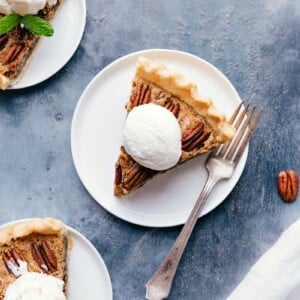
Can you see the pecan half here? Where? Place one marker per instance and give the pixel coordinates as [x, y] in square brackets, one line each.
[49, 255]
[194, 137]
[288, 185]
[38, 257]
[141, 94]
[12, 260]
[173, 107]
[44, 256]
[118, 174]
[136, 176]
[3, 41]
[12, 53]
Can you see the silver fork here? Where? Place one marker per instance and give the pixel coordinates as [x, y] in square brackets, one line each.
[220, 164]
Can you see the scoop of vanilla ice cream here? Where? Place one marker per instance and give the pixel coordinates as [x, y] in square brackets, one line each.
[52, 2]
[24, 7]
[5, 7]
[35, 286]
[152, 137]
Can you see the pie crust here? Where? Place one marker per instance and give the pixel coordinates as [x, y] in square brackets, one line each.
[41, 243]
[203, 127]
[179, 86]
[17, 47]
[41, 226]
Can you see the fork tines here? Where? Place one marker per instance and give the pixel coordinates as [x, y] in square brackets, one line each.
[244, 120]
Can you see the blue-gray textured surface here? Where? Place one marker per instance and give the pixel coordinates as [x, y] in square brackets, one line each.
[257, 45]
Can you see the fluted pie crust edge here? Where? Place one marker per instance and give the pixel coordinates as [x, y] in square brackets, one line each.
[178, 85]
[25, 228]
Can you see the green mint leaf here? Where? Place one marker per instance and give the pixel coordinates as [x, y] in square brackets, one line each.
[37, 25]
[9, 22]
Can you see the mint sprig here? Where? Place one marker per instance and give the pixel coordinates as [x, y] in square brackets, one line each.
[37, 25]
[9, 22]
[34, 24]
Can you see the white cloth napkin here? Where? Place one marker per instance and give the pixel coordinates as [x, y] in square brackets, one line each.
[276, 275]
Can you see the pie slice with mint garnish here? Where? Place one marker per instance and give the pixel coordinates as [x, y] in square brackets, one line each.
[19, 36]
[202, 126]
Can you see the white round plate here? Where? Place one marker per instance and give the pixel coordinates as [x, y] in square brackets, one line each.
[54, 52]
[96, 136]
[88, 277]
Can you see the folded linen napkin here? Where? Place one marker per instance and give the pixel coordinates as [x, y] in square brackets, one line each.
[276, 275]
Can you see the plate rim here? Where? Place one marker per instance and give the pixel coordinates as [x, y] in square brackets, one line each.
[116, 213]
[81, 236]
[17, 86]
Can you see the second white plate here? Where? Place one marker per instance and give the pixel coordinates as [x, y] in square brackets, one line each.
[96, 137]
[88, 275]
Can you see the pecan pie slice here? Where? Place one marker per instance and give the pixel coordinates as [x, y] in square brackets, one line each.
[202, 126]
[17, 46]
[39, 245]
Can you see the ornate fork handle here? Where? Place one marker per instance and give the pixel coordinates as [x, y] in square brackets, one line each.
[159, 285]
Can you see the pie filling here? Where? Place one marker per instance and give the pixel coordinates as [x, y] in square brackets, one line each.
[197, 135]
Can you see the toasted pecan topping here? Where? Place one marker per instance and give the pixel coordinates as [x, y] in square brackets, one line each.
[12, 259]
[49, 255]
[3, 41]
[44, 256]
[136, 175]
[141, 94]
[194, 137]
[173, 107]
[12, 53]
[118, 174]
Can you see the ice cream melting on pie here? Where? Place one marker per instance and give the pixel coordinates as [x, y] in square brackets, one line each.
[202, 126]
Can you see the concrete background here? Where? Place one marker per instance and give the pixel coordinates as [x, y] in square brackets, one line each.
[257, 45]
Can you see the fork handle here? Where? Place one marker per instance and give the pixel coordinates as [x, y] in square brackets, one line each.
[159, 285]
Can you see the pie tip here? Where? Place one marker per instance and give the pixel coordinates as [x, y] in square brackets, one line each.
[4, 82]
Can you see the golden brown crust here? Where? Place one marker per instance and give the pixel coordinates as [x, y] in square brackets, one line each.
[41, 226]
[4, 82]
[186, 90]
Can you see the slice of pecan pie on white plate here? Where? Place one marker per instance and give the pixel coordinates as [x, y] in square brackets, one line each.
[97, 134]
[47, 246]
[39, 245]
[202, 126]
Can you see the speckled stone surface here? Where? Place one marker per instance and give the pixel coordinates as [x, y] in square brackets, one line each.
[257, 45]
